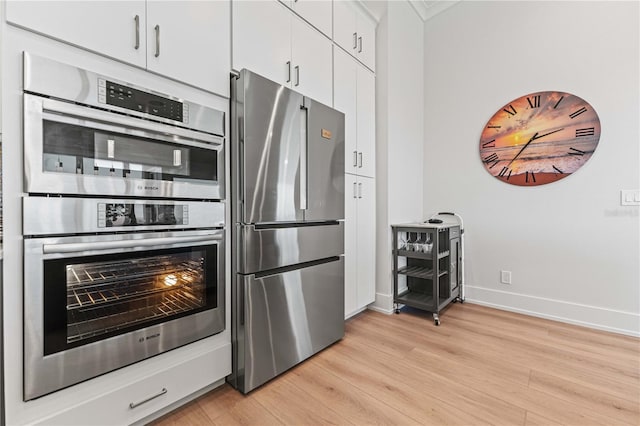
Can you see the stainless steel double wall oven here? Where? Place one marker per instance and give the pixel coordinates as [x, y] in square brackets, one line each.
[122, 221]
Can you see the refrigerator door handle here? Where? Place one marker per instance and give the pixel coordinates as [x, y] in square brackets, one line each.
[303, 157]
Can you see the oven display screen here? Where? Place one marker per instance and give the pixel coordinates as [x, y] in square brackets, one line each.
[137, 100]
[123, 214]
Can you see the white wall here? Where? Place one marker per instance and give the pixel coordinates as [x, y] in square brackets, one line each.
[572, 248]
[399, 137]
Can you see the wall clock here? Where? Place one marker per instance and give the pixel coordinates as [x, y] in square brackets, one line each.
[539, 138]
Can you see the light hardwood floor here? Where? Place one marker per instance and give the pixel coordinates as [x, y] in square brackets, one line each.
[480, 366]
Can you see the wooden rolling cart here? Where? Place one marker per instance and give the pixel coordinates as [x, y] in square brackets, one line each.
[427, 266]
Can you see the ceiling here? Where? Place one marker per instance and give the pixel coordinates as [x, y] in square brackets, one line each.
[424, 8]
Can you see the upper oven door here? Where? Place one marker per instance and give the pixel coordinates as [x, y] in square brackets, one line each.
[73, 149]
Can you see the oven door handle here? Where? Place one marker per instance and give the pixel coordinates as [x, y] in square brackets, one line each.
[111, 245]
[84, 113]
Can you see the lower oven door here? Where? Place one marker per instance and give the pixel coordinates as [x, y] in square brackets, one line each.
[94, 304]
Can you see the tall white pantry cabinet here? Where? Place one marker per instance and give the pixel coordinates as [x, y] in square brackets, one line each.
[354, 94]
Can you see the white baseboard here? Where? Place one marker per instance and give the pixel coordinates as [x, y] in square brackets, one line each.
[573, 313]
[383, 303]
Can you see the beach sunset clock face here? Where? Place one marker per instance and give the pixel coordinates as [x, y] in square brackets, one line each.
[539, 138]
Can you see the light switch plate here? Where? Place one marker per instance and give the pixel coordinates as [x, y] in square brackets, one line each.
[630, 197]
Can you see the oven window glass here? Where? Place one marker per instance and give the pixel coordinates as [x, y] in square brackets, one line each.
[73, 149]
[93, 298]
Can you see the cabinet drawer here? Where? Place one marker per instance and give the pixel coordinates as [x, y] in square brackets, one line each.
[158, 390]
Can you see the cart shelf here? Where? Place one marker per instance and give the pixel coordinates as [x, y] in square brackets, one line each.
[420, 272]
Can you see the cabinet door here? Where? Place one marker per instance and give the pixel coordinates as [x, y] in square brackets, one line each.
[262, 39]
[311, 56]
[350, 245]
[366, 241]
[366, 50]
[190, 42]
[112, 28]
[344, 25]
[344, 99]
[366, 121]
[316, 12]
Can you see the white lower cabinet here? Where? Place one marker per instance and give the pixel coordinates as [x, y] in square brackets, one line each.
[144, 397]
[360, 243]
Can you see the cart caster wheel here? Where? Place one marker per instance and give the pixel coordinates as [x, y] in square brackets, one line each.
[398, 311]
[436, 322]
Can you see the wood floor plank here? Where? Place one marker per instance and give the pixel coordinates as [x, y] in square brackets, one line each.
[424, 381]
[591, 399]
[291, 405]
[480, 366]
[352, 404]
[227, 406]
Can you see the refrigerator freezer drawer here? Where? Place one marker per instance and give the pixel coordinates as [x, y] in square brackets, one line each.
[266, 248]
[287, 318]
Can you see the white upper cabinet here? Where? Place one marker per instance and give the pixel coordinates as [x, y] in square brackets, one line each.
[311, 54]
[191, 41]
[113, 28]
[188, 41]
[270, 40]
[354, 94]
[355, 31]
[316, 12]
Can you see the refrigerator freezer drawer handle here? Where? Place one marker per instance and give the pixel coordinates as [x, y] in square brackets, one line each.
[355, 190]
[359, 190]
[303, 158]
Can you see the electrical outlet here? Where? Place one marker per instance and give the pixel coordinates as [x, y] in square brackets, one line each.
[630, 197]
[505, 277]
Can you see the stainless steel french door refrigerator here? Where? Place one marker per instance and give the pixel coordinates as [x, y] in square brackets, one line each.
[287, 162]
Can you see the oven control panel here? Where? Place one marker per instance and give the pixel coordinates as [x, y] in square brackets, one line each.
[125, 215]
[122, 96]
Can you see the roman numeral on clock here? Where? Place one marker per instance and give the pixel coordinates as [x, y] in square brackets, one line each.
[526, 177]
[490, 144]
[510, 110]
[505, 172]
[534, 102]
[494, 127]
[578, 112]
[490, 159]
[574, 151]
[558, 103]
[585, 132]
[557, 169]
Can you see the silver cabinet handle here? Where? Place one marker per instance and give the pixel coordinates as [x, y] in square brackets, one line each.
[137, 21]
[360, 44]
[360, 159]
[355, 40]
[355, 189]
[359, 190]
[288, 71]
[157, 28]
[297, 68]
[144, 401]
[355, 158]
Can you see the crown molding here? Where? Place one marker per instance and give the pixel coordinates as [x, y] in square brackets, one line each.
[427, 9]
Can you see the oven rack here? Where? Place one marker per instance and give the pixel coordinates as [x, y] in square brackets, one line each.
[119, 286]
[110, 272]
[84, 324]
